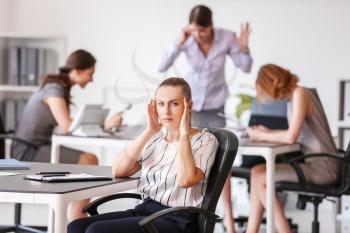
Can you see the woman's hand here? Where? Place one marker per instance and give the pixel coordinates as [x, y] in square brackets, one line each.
[153, 124]
[255, 133]
[186, 33]
[115, 120]
[263, 128]
[242, 39]
[185, 120]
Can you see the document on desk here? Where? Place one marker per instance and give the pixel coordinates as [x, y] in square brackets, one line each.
[9, 173]
[66, 178]
[13, 164]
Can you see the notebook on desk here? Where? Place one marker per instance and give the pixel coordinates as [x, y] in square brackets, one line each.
[66, 178]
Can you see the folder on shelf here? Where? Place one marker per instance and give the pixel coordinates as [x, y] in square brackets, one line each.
[66, 178]
[13, 164]
[13, 66]
[32, 67]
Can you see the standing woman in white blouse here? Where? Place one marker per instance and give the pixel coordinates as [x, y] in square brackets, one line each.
[175, 160]
[206, 48]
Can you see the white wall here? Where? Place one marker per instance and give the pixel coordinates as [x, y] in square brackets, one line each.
[6, 10]
[309, 37]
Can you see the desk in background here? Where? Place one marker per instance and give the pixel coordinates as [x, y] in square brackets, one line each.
[269, 151]
[14, 189]
[120, 139]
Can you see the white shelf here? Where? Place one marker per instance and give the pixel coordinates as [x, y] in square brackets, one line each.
[28, 35]
[344, 124]
[13, 88]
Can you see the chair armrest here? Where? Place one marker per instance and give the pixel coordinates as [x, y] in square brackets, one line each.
[91, 208]
[5, 136]
[295, 163]
[302, 157]
[148, 222]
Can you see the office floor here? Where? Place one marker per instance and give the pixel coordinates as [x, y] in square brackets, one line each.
[38, 214]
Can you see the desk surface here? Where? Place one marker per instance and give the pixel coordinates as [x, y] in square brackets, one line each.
[246, 142]
[125, 133]
[18, 184]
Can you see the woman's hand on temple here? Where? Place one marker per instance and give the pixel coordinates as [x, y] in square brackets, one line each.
[185, 120]
[186, 33]
[153, 124]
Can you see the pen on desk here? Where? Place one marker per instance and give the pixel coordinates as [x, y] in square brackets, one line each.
[52, 173]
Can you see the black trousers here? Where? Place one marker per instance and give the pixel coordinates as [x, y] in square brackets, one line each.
[127, 221]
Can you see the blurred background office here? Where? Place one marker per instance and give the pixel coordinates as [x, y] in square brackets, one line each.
[128, 37]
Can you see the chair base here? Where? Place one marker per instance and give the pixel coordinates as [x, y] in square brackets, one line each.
[22, 229]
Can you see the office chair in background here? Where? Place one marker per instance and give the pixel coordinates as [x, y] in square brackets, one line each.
[312, 193]
[26, 155]
[228, 146]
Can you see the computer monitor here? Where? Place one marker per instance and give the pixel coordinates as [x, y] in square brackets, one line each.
[271, 122]
[272, 114]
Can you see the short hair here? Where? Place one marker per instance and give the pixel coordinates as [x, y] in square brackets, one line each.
[201, 15]
[177, 82]
[275, 82]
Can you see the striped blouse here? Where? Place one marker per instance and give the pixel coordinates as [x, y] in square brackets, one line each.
[158, 174]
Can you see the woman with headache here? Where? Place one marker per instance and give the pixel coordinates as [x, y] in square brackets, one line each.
[175, 160]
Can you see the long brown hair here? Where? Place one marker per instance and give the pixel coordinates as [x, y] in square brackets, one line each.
[201, 15]
[275, 82]
[79, 59]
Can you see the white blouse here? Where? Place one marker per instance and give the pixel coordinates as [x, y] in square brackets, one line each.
[158, 174]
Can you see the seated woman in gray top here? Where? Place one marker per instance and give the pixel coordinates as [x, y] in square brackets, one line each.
[308, 126]
[48, 107]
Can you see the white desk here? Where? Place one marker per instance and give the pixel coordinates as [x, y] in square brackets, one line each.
[269, 151]
[62, 140]
[119, 140]
[15, 189]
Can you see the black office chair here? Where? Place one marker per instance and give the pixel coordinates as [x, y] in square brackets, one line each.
[26, 155]
[228, 145]
[316, 193]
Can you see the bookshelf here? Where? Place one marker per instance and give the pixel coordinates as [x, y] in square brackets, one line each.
[24, 59]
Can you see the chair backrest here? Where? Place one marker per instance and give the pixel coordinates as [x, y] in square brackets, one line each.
[344, 178]
[344, 187]
[225, 155]
[323, 118]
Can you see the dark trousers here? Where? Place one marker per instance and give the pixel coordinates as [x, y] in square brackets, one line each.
[127, 221]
